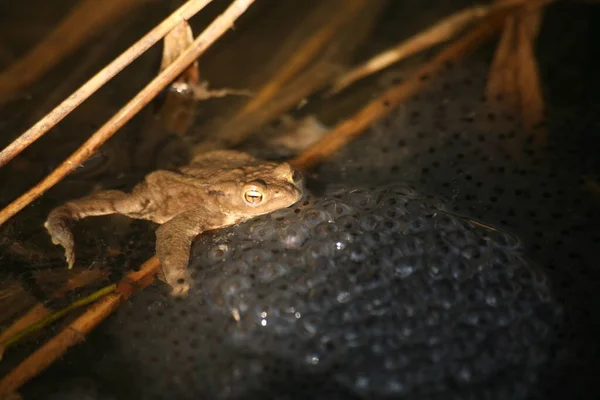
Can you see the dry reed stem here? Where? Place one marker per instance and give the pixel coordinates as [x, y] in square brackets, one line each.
[215, 30]
[185, 12]
[441, 32]
[79, 25]
[78, 329]
[378, 108]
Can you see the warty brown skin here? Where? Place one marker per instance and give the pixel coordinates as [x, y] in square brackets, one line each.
[215, 190]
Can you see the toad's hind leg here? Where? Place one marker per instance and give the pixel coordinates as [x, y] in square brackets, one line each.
[173, 245]
[103, 202]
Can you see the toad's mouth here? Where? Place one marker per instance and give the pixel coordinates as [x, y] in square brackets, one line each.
[296, 194]
[298, 190]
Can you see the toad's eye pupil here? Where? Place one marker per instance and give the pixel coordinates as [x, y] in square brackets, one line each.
[296, 177]
[253, 196]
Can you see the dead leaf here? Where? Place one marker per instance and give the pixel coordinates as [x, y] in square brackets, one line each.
[514, 81]
[178, 110]
[528, 77]
[175, 43]
[502, 81]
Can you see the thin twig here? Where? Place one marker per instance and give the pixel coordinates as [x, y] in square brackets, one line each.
[215, 30]
[185, 12]
[384, 104]
[11, 341]
[78, 329]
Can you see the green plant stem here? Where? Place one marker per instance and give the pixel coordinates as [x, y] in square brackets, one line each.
[53, 317]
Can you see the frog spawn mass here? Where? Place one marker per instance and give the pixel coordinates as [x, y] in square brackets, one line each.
[369, 292]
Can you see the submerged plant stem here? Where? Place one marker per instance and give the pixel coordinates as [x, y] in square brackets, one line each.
[57, 315]
[75, 332]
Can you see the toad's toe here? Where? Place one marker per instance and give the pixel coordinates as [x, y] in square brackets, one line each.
[70, 257]
[61, 235]
[179, 281]
[180, 289]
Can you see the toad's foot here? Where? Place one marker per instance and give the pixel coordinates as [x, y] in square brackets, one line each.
[180, 284]
[57, 226]
[173, 244]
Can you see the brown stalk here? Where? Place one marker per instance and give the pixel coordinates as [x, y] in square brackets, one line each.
[215, 30]
[384, 104]
[75, 332]
[442, 31]
[71, 32]
[185, 12]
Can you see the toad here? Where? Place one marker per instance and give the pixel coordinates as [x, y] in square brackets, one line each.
[215, 190]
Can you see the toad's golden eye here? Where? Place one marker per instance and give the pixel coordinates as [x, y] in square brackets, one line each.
[253, 196]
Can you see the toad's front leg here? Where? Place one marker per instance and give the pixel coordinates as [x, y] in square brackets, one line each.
[173, 245]
[135, 205]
